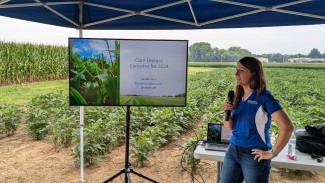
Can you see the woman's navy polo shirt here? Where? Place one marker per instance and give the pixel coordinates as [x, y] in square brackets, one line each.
[252, 120]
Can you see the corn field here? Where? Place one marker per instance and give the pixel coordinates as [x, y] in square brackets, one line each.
[21, 63]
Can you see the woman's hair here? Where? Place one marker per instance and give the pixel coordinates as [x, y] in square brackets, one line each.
[258, 81]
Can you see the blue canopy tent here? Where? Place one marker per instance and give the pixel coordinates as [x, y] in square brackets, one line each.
[164, 15]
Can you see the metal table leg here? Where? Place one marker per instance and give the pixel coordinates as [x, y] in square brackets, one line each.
[218, 171]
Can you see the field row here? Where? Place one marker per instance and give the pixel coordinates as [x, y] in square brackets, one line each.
[21, 63]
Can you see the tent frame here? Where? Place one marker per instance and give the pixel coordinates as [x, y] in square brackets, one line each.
[146, 12]
[80, 25]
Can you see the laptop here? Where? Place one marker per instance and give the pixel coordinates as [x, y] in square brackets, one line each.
[218, 138]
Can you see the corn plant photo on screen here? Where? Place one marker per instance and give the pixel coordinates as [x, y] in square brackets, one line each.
[127, 72]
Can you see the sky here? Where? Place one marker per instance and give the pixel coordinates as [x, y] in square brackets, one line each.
[284, 40]
[94, 48]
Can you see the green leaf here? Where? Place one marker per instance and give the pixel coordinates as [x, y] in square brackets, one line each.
[76, 98]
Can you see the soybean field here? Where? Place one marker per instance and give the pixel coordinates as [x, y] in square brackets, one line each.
[299, 88]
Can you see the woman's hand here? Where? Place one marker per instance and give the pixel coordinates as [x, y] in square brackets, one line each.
[260, 154]
[227, 106]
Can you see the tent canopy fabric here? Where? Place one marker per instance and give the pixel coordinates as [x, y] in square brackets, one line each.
[166, 14]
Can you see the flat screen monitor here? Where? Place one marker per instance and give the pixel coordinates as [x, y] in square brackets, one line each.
[127, 72]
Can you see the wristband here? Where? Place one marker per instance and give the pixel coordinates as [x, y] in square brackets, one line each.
[273, 154]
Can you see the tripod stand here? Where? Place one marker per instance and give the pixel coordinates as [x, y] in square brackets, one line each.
[127, 170]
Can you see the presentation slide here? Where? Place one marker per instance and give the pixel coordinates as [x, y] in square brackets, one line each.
[153, 71]
[127, 72]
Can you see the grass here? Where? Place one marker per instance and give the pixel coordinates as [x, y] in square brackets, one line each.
[192, 70]
[19, 95]
[152, 100]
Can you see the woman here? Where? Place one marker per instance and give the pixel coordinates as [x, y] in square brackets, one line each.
[250, 152]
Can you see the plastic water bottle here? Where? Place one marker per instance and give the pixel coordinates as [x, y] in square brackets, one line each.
[292, 145]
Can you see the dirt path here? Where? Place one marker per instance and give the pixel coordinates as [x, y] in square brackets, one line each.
[25, 160]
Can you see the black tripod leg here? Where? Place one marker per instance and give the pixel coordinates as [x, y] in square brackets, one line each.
[126, 169]
[123, 170]
[129, 178]
[143, 176]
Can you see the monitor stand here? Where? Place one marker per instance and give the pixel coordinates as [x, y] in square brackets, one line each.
[126, 169]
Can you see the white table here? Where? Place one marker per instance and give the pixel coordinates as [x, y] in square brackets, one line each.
[303, 162]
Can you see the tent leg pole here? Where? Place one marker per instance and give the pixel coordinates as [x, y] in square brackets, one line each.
[82, 178]
[81, 143]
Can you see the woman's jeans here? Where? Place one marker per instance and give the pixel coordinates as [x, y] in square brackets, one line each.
[239, 165]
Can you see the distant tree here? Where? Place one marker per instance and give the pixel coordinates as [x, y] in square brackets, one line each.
[299, 55]
[314, 53]
[223, 55]
[237, 53]
[285, 58]
[217, 54]
[277, 57]
[201, 52]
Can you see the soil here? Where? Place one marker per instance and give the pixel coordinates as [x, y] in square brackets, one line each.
[25, 160]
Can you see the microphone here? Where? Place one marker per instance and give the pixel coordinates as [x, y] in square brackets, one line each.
[231, 95]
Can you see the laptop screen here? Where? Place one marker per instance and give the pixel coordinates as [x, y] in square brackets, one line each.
[217, 133]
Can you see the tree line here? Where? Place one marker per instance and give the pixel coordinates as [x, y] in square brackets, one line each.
[203, 52]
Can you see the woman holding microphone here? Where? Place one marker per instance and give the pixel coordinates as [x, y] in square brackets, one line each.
[249, 155]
